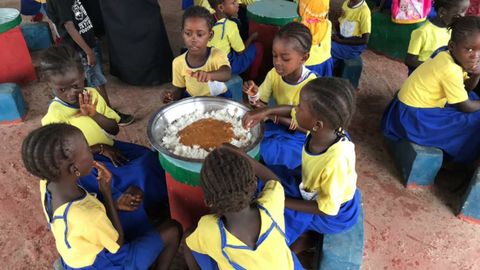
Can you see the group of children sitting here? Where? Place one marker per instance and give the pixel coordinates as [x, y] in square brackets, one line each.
[99, 194]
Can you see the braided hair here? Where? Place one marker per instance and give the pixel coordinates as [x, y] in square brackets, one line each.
[46, 149]
[198, 12]
[298, 33]
[333, 99]
[228, 181]
[446, 4]
[464, 27]
[59, 60]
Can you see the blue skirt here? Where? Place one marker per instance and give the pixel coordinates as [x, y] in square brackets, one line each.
[143, 170]
[345, 52]
[228, 94]
[453, 131]
[280, 146]
[297, 223]
[138, 254]
[241, 62]
[324, 69]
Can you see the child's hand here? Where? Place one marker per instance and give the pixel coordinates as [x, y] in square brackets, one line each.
[252, 118]
[88, 107]
[112, 153]
[201, 76]
[474, 70]
[336, 38]
[104, 177]
[167, 97]
[130, 200]
[91, 60]
[250, 88]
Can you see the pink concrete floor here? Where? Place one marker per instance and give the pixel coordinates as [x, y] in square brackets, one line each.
[403, 229]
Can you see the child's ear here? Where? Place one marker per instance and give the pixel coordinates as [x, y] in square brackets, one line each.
[319, 124]
[72, 169]
[210, 35]
[305, 57]
[220, 8]
[451, 45]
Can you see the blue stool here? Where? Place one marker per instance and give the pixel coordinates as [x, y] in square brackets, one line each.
[470, 209]
[37, 35]
[418, 165]
[343, 250]
[12, 108]
[235, 85]
[351, 70]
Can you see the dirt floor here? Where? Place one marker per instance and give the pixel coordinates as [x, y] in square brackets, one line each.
[403, 229]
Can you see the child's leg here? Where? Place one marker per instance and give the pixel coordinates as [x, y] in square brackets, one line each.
[171, 233]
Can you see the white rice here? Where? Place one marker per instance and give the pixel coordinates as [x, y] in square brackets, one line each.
[171, 140]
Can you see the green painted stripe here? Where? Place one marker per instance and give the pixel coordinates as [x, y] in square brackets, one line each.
[4, 27]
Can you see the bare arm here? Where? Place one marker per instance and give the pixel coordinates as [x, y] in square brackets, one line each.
[223, 74]
[352, 40]
[73, 32]
[468, 106]
[303, 206]
[412, 61]
[107, 124]
[472, 82]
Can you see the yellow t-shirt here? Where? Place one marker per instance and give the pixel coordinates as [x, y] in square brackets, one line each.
[427, 39]
[226, 36]
[434, 83]
[61, 112]
[89, 230]
[205, 4]
[314, 14]
[355, 22]
[330, 177]
[216, 59]
[321, 52]
[283, 92]
[272, 253]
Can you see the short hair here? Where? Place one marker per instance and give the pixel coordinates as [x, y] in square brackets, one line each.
[198, 12]
[446, 4]
[45, 150]
[215, 3]
[228, 181]
[59, 60]
[464, 27]
[298, 33]
[331, 98]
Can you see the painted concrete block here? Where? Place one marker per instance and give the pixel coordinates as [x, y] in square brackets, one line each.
[470, 209]
[418, 164]
[344, 250]
[351, 70]
[12, 107]
[235, 85]
[37, 35]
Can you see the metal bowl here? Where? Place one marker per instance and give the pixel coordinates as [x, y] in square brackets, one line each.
[168, 114]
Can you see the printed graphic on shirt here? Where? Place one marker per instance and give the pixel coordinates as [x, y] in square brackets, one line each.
[83, 21]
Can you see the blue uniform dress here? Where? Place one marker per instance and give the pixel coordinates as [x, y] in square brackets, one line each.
[421, 113]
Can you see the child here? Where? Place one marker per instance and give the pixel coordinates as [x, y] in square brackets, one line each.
[227, 38]
[434, 34]
[433, 108]
[314, 14]
[243, 232]
[88, 234]
[282, 143]
[76, 29]
[131, 165]
[353, 31]
[324, 197]
[202, 70]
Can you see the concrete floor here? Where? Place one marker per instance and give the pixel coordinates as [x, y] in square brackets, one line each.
[403, 229]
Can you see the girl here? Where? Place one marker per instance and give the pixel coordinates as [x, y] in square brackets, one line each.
[433, 108]
[434, 34]
[88, 234]
[314, 14]
[135, 169]
[201, 70]
[323, 197]
[243, 232]
[282, 143]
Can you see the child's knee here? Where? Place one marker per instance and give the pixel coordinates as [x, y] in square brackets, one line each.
[170, 232]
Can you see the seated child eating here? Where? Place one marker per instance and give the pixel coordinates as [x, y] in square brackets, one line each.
[323, 197]
[434, 106]
[201, 70]
[88, 234]
[242, 56]
[243, 232]
[434, 34]
[282, 142]
[353, 31]
[135, 169]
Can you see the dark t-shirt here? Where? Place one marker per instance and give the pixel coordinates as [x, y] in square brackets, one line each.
[62, 11]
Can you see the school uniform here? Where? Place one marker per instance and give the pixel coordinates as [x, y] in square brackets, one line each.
[281, 146]
[314, 14]
[181, 78]
[214, 247]
[422, 111]
[142, 170]
[86, 239]
[227, 38]
[426, 40]
[354, 22]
